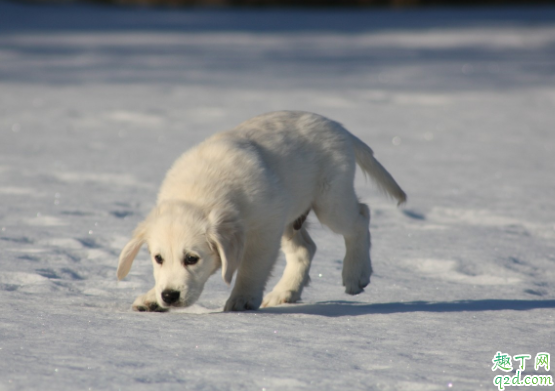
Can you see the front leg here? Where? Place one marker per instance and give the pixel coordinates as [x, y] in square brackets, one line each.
[299, 250]
[255, 268]
[147, 302]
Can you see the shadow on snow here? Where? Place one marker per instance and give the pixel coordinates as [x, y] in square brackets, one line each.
[346, 308]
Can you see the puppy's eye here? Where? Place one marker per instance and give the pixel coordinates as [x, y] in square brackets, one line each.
[158, 258]
[190, 259]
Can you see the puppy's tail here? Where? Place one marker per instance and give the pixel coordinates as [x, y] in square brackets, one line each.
[373, 168]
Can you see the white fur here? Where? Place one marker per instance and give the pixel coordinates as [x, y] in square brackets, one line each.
[232, 200]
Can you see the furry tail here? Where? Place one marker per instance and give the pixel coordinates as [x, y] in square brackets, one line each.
[366, 160]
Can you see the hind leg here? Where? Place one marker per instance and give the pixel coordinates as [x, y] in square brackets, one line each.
[299, 250]
[340, 210]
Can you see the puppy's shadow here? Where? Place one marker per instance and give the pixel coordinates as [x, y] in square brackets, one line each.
[348, 308]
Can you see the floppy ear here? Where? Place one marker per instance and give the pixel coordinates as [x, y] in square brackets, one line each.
[227, 235]
[131, 250]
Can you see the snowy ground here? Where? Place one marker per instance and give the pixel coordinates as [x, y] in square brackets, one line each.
[96, 103]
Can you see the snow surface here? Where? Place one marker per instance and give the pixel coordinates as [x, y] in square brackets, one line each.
[459, 105]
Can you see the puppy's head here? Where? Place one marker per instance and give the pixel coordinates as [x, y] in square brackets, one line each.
[186, 247]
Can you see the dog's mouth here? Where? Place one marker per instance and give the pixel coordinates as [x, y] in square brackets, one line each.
[172, 305]
[176, 304]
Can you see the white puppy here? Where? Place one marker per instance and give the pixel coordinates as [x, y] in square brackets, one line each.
[234, 200]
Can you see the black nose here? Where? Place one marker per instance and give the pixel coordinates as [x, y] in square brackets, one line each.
[170, 296]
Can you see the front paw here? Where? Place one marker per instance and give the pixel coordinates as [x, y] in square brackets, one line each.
[280, 297]
[144, 304]
[242, 303]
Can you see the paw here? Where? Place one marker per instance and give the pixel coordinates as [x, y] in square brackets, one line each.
[355, 284]
[149, 307]
[280, 297]
[242, 303]
[355, 289]
[144, 304]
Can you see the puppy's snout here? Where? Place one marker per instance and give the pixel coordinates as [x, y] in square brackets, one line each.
[170, 296]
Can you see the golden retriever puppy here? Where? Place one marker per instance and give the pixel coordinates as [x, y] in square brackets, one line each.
[234, 200]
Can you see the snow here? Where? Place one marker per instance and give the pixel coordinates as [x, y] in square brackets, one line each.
[97, 102]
